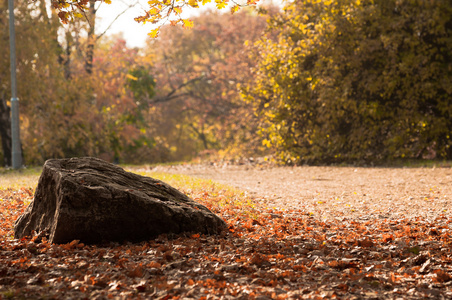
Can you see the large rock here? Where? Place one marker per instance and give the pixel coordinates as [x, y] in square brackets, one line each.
[90, 200]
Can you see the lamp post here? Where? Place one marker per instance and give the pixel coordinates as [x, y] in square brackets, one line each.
[15, 133]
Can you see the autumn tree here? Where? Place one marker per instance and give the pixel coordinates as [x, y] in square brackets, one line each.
[5, 119]
[356, 81]
[123, 83]
[71, 107]
[60, 114]
[159, 12]
[37, 54]
[48, 100]
[198, 72]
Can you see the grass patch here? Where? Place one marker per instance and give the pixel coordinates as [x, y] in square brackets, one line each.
[213, 195]
[16, 179]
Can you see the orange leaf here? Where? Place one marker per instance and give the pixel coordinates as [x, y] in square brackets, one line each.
[442, 276]
[387, 238]
[393, 278]
[365, 243]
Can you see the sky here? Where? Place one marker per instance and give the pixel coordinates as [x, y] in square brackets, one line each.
[134, 33]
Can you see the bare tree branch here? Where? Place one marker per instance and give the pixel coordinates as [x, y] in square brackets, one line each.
[171, 95]
[116, 18]
[167, 98]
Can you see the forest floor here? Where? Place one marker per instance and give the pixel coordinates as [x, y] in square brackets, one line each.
[295, 233]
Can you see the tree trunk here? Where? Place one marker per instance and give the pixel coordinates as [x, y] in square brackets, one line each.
[67, 56]
[91, 37]
[5, 132]
[64, 58]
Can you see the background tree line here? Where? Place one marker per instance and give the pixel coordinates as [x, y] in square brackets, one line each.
[317, 82]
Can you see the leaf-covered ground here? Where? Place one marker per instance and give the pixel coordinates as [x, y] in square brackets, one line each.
[265, 254]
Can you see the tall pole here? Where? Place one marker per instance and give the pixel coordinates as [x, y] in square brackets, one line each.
[15, 133]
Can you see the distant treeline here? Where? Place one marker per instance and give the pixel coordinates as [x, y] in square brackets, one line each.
[316, 82]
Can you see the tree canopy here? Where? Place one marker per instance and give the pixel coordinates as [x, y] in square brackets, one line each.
[356, 81]
[159, 12]
[323, 82]
[197, 107]
[174, 98]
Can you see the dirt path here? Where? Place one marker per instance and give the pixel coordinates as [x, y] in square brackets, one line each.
[339, 192]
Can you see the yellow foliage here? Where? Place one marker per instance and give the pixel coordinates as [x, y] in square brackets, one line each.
[154, 33]
[221, 4]
[193, 3]
[131, 77]
[187, 23]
